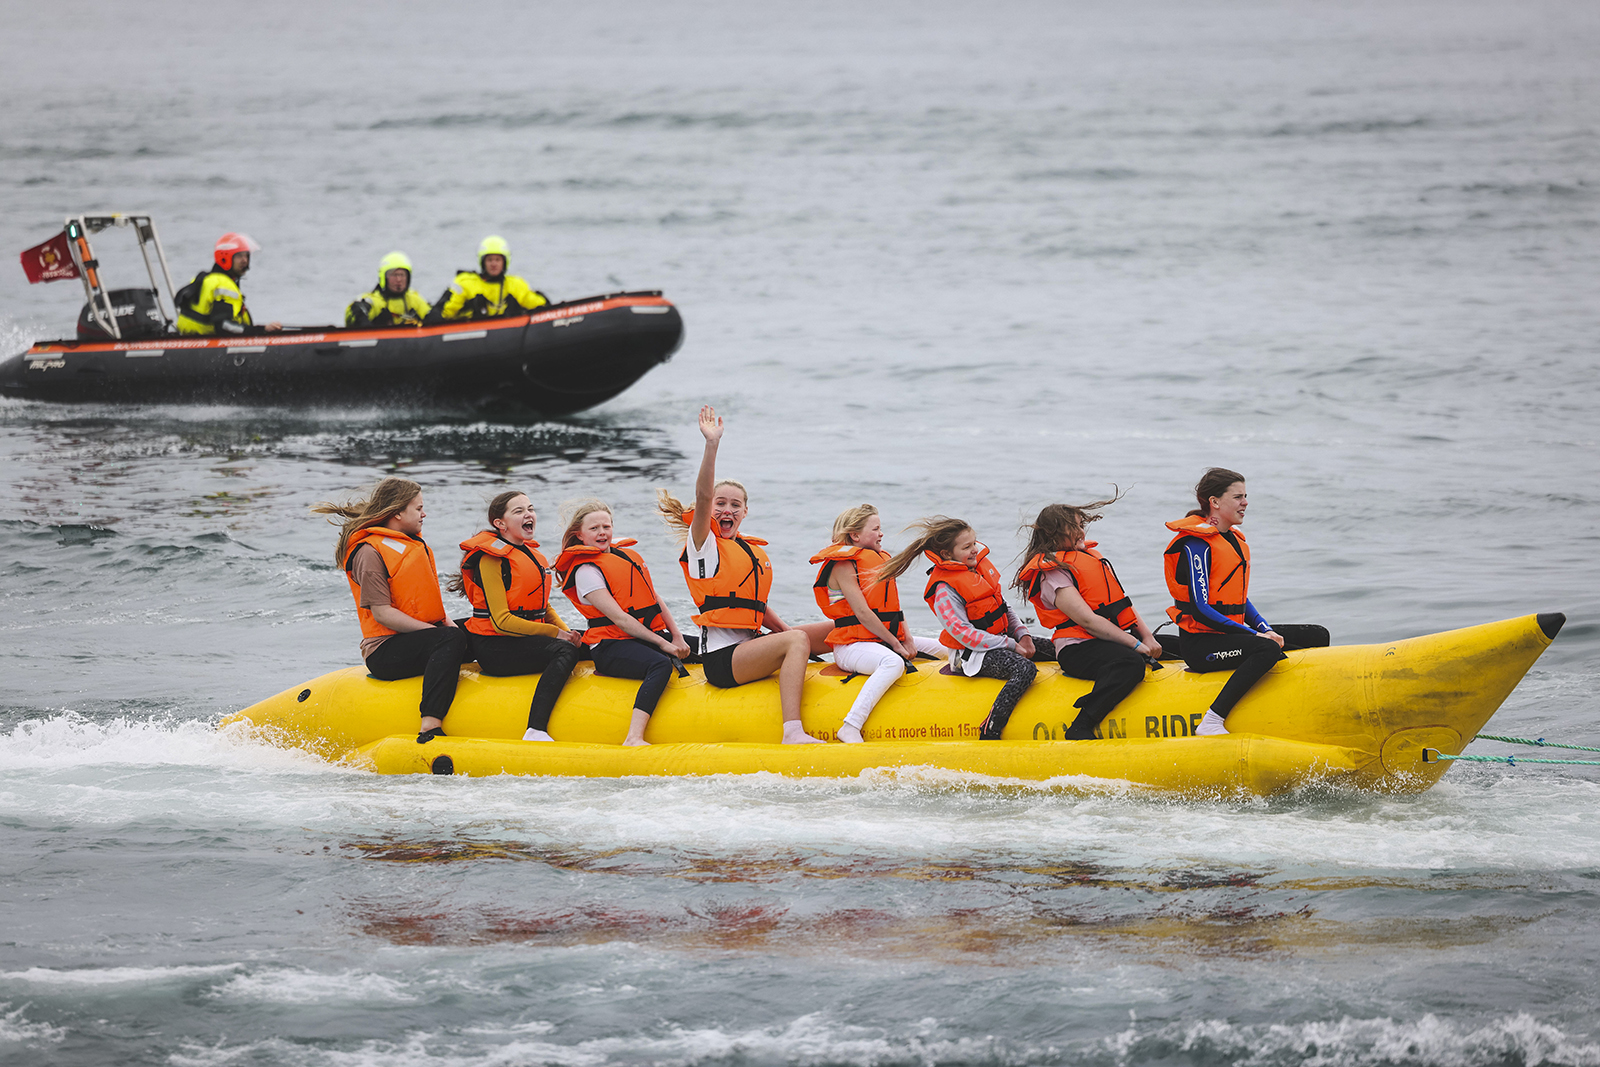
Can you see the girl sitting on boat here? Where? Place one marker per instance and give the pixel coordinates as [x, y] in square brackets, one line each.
[514, 628]
[1098, 635]
[395, 582]
[869, 634]
[631, 633]
[729, 576]
[966, 592]
[1207, 565]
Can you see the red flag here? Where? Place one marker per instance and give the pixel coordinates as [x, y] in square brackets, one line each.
[50, 262]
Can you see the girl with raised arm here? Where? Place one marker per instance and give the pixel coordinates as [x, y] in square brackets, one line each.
[729, 576]
[514, 628]
[395, 582]
[966, 592]
[1098, 635]
[869, 634]
[1207, 565]
[631, 633]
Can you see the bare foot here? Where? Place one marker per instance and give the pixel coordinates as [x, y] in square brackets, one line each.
[631, 740]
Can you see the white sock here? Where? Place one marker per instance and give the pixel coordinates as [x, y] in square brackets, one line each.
[794, 734]
[537, 735]
[850, 734]
[1210, 725]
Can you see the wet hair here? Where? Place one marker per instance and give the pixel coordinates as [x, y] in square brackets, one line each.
[1059, 526]
[1214, 482]
[939, 535]
[851, 521]
[575, 513]
[388, 498]
[672, 509]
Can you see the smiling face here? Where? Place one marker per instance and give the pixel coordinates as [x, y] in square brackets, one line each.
[870, 535]
[595, 529]
[727, 509]
[1228, 509]
[517, 524]
[408, 520]
[965, 549]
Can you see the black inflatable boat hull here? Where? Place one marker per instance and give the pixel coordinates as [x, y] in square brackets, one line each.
[559, 360]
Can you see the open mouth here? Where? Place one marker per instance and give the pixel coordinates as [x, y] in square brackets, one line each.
[527, 529]
[725, 526]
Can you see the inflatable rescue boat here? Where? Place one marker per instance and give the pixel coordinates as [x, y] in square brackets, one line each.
[559, 359]
[1351, 716]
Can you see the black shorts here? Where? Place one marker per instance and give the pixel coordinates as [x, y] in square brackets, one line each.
[719, 667]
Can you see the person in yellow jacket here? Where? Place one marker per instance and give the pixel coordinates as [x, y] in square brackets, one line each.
[213, 303]
[393, 302]
[489, 292]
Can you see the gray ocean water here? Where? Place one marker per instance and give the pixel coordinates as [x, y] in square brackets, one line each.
[943, 257]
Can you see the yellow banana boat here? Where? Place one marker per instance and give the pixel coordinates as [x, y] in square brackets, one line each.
[1355, 716]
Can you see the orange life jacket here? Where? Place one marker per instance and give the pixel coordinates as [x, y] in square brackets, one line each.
[736, 596]
[1097, 583]
[883, 599]
[627, 580]
[523, 570]
[980, 589]
[413, 577]
[1229, 580]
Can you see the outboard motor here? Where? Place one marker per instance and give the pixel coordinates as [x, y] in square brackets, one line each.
[138, 315]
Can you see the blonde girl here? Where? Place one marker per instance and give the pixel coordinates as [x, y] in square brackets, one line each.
[729, 577]
[869, 634]
[631, 632]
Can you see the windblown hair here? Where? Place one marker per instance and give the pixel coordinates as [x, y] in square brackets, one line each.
[1214, 482]
[388, 499]
[1059, 526]
[497, 510]
[939, 535]
[575, 513]
[851, 521]
[672, 508]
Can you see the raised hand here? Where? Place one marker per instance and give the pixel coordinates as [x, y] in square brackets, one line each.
[710, 424]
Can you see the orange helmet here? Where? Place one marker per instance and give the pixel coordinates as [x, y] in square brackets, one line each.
[229, 243]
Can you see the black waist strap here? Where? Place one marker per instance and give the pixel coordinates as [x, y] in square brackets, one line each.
[644, 615]
[1187, 608]
[521, 613]
[717, 603]
[1112, 610]
[890, 619]
[989, 618]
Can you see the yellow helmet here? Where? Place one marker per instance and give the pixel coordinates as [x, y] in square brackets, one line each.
[494, 246]
[393, 261]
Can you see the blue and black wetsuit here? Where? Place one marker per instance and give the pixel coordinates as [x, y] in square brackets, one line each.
[1236, 646]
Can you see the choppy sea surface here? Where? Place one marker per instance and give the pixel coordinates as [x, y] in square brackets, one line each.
[943, 257]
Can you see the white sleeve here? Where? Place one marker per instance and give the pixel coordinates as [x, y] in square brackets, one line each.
[703, 560]
[586, 579]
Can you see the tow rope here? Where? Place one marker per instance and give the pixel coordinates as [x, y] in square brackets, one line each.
[1433, 755]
